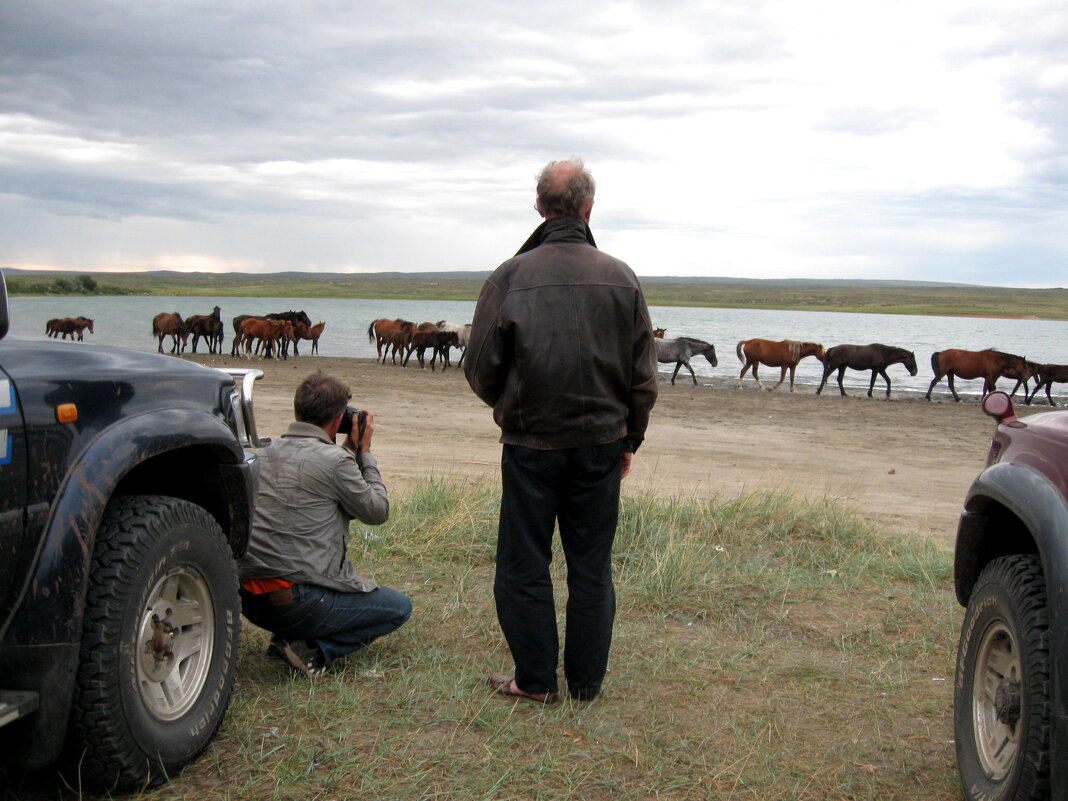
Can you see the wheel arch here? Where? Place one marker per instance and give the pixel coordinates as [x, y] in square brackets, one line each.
[1012, 509]
[182, 453]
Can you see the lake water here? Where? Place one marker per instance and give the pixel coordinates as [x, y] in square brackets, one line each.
[127, 322]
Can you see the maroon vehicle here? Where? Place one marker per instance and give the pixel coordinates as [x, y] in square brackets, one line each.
[1010, 571]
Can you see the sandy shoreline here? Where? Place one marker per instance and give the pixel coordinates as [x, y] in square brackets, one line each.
[905, 462]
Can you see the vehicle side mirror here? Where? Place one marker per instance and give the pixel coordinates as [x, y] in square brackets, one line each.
[5, 318]
[998, 405]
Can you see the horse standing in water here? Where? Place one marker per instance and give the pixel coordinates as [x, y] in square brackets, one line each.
[989, 365]
[785, 355]
[874, 357]
[74, 326]
[680, 350]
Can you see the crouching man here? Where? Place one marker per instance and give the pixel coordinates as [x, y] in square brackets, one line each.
[296, 579]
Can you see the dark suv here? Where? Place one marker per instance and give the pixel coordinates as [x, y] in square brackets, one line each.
[1011, 566]
[126, 488]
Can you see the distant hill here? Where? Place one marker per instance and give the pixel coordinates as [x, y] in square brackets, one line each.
[482, 275]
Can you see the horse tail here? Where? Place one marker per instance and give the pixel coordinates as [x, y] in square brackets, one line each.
[934, 361]
[739, 351]
[371, 331]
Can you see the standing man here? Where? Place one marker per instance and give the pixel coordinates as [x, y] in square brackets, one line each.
[296, 579]
[562, 348]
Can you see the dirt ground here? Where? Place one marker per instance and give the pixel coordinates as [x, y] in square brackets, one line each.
[905, 462]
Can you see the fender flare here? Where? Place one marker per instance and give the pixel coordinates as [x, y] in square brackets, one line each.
[1042, 508]
[50, 609]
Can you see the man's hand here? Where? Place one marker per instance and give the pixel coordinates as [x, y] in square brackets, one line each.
[628, 457]
[368, 433]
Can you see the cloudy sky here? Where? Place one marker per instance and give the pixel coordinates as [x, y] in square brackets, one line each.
[917, 139]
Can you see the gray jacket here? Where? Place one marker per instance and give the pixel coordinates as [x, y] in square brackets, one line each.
[309, 490]
[562, 347]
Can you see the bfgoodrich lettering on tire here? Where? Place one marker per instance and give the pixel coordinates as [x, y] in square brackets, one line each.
[1002, 688]
[159, 646]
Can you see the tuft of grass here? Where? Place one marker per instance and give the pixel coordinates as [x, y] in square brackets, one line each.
[765, 647]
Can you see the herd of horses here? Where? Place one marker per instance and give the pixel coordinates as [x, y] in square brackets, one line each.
[403, 337]
[272, 335]
[269, 335]
[989, 364]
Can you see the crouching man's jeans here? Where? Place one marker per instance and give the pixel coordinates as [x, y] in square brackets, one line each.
[338, 622]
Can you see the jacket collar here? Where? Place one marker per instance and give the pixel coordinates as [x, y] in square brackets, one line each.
[298, 429]
[559, 229]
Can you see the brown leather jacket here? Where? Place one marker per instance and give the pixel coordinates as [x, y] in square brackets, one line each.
[562, 347]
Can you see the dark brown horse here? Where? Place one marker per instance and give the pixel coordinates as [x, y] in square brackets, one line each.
[386, 333]
[428, 335]
[210, 327]
[170, 325]
[785, 355]
[74, 326]
[989, 365]
[1046, 374]
[874, 357]
[659, 332]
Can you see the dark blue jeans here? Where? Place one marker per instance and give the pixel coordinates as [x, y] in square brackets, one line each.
[579, 488]
[338, 622]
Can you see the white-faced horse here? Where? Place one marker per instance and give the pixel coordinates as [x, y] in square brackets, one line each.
[680, 350]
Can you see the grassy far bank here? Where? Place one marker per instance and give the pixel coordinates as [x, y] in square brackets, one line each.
[766, 647]
[1049, 304]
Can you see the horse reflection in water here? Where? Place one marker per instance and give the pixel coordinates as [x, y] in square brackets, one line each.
[874, 357]
[785, 355]
[681, 350]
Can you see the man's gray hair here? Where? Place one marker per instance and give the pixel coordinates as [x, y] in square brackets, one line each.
[565, 188]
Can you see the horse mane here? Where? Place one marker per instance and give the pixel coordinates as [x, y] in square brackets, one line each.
[695, 340]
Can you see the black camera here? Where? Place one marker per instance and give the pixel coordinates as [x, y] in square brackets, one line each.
[346, 421]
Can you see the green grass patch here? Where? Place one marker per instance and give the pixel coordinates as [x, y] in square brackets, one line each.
[766, 647]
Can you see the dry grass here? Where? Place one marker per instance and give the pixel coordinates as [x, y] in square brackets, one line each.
[766, 648]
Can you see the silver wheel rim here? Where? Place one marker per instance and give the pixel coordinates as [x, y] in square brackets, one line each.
[998, 663]
[175, 642]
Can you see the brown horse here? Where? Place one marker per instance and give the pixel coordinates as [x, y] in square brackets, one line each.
[785, 355]
[988, 365]
[659, 332]
[269, 332]
[313, 332]
[210, 327]
[1046, 374]
[385, 333]
[874, 357]
[170, 324]
[74, 326]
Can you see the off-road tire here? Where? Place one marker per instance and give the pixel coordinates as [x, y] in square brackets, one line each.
[159, 645]
[1002, 688]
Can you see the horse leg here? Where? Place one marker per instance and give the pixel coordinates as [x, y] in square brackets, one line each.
[782, 377]
[741, 375]
[841, 372]
[953, 389]
[937, 378]
[886, 378]
[161, 342]
[826, 372]
[677, 366]
[792, 368]
[692, 375]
